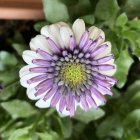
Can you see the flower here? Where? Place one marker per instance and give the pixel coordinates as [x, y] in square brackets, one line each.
[68, 67]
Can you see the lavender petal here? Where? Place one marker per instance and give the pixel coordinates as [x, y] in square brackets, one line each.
[62, 104]
[37, 78]
[55, 99]
[72, 43]
[83, 40]
[44, 54]
[53, 46]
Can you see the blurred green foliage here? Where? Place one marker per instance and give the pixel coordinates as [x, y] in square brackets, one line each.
[119, 119]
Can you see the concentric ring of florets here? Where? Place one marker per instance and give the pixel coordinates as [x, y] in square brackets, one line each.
[68, 67]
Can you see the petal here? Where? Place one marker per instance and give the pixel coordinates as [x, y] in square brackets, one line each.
[62, 104]
[97, 100]
[103, 90]
[84, 103]
[61, 24]
[55, 99]
[31, 93]
[46, 100]
[43, 104]
[41, 62]
[78, 28]
[109, 59]
[83, 40]
[53, 32]
[65, 33]
[72, 43]
[64, 113]
[24, 80]
[73, 108]
[53, 46]
[28, 56]
[38, 78]
[106, 51]
[95, 32]
[25, 70]
[91, 101]
[40, 42]
[109, 72]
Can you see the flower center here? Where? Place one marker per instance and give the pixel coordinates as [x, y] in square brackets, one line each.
[73, 75]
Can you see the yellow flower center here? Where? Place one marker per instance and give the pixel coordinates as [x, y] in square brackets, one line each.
[73, 74]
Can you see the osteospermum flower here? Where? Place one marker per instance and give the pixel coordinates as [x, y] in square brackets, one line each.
[68, 67]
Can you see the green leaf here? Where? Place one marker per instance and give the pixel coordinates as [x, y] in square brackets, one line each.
[55, 11]
[135, 100]
[133, 119]
[6, 77]
[132, 36]
[89, 19]
[19, 48]
[70, 2]
[18, 109]
[39, 25]
[136, 52]
[7, 59]
[48, 136]
[123, 63]
[86, 7]
[134, 24]
[89, 116]
[66, 127]
[132, 7]
[110, 127]
[21, 134]
[132, 90]
[9, 91]
[107, 10]
[121, 20]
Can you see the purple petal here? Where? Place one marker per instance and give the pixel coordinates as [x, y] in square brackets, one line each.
[53, 46]
[99, 50]
[62, 104]
[68, 101]
[95, 43]
[41, 62]
[106, 67]
[55, 99]
[48, 83]
[84, 103]
[97, 94]
[83, 40]
[72, 108]
[91, 101]
[50, 93]
[44, 54]
[102, 60]
[102, 83]
[87, 45]
[37, 78]
[42, 90]
[105, 59]
[104, 77]
[72, 43]
[111, 79]
[104, 90]
[38, 69]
